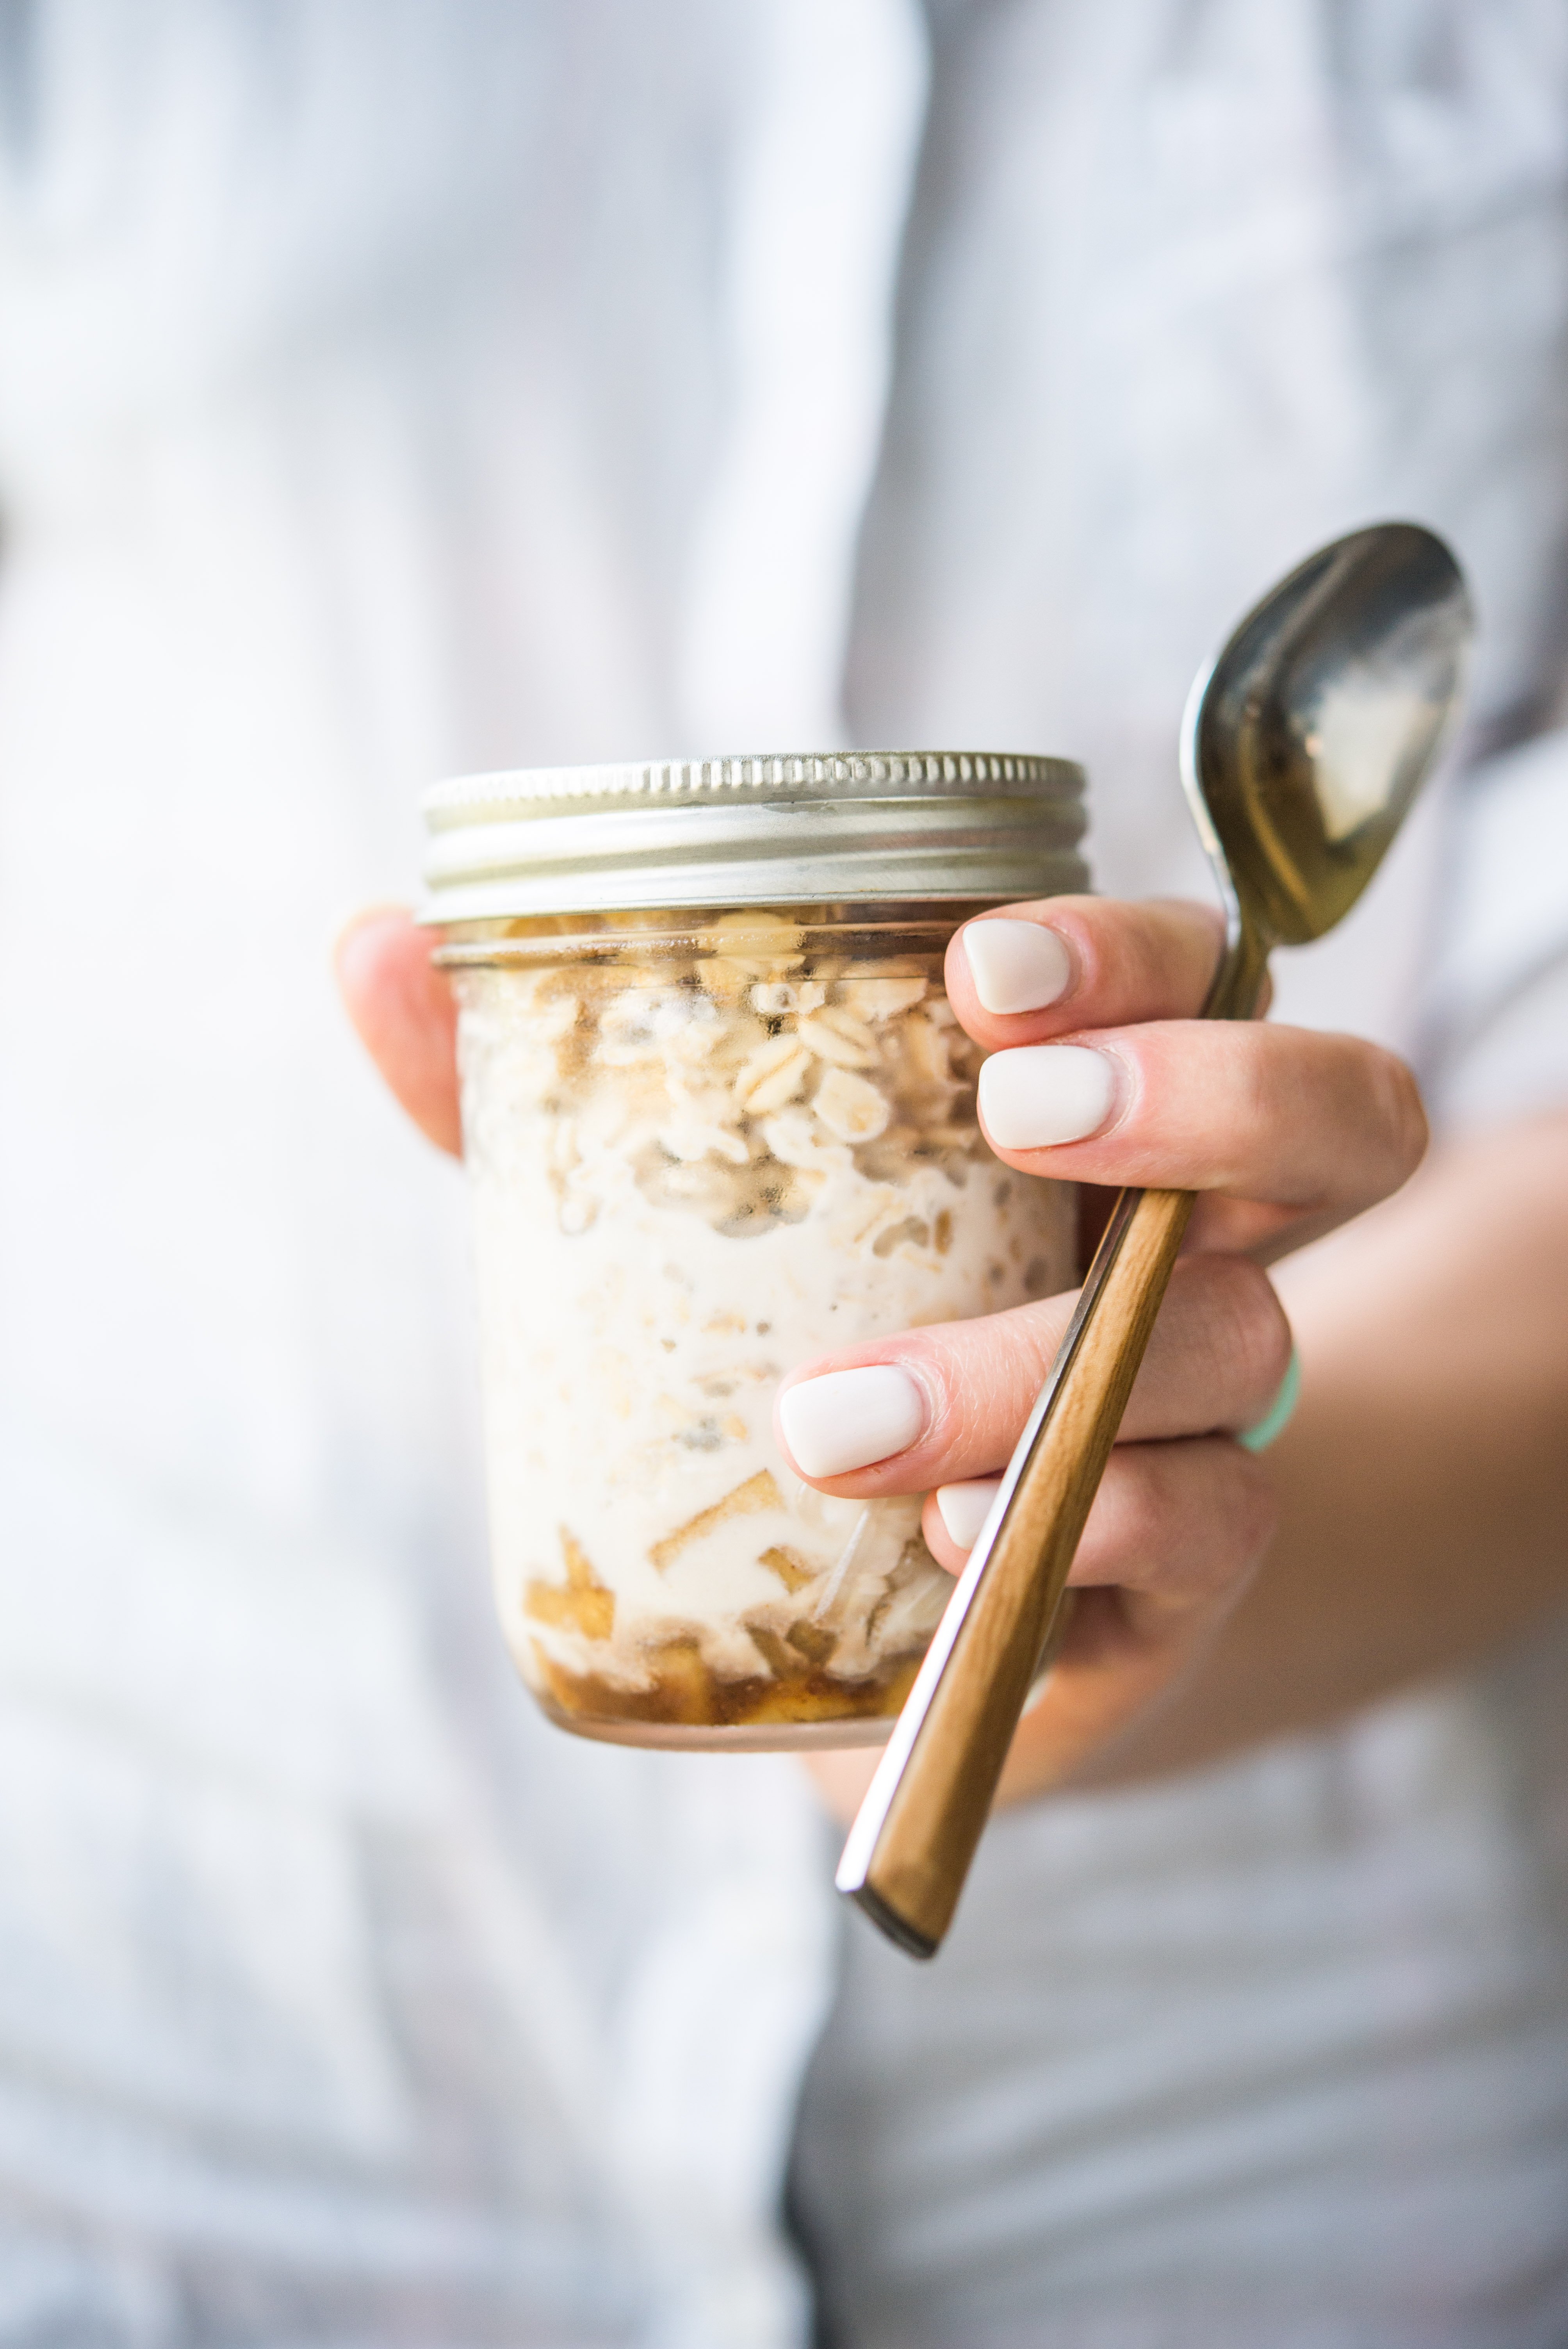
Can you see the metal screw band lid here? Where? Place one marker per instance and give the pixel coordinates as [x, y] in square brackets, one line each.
[778, 829]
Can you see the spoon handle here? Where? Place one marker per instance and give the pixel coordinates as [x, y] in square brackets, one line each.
[909, 1850]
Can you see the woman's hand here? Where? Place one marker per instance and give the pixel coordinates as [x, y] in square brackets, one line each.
[1101, 1074]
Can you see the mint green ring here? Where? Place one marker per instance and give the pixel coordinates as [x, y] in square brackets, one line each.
[1259, 1438]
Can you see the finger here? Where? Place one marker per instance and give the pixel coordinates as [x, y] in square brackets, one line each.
[1174, 1536]
[1307, 1122]
[940, 1405]
[1029, 972]
[402, 1008]
[1181, 1523]
[1174, 1524]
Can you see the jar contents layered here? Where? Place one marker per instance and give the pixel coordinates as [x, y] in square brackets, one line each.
[698, 1159]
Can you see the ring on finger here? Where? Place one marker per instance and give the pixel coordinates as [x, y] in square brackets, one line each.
[1277, 1418]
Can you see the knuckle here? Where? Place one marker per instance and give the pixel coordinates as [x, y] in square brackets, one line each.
[1408, 1120]
[980, 1377]
[1262, 1332]
[1015, 1350]
[1245, 1335]
[1399, 1117]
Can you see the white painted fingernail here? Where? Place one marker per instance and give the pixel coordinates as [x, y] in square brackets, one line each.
[1043, 1094]
[847, 1418]
[966, 1507]
[1016, 966]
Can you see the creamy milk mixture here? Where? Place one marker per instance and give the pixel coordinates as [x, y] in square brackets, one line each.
[690, 1174]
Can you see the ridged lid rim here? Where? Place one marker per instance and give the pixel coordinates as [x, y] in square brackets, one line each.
[750, 776]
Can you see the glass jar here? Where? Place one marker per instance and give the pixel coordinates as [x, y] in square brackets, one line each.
[708, 1141]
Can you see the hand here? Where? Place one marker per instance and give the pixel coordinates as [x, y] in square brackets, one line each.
[1284, 1132]
[1110, 1080]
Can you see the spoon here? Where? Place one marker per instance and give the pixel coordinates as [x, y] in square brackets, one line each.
[1302, 748]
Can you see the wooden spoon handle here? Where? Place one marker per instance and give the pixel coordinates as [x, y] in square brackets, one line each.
[910, 1849]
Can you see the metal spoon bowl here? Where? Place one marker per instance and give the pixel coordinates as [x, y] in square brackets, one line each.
[1306, 741]
[1302, 749]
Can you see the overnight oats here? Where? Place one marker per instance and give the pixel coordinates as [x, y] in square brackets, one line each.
[705, 1145]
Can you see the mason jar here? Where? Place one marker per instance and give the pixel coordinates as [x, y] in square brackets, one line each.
[718, 1120]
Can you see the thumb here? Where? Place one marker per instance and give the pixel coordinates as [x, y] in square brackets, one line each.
[403, 1011]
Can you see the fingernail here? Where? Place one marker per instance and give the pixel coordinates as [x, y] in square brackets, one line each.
[966, 1507]
[847, 1418]
[1044, 1094]
[1016, 966]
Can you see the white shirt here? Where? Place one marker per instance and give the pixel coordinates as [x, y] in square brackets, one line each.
[391, 390]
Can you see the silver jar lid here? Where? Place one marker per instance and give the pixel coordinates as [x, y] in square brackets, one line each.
[791, 828]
